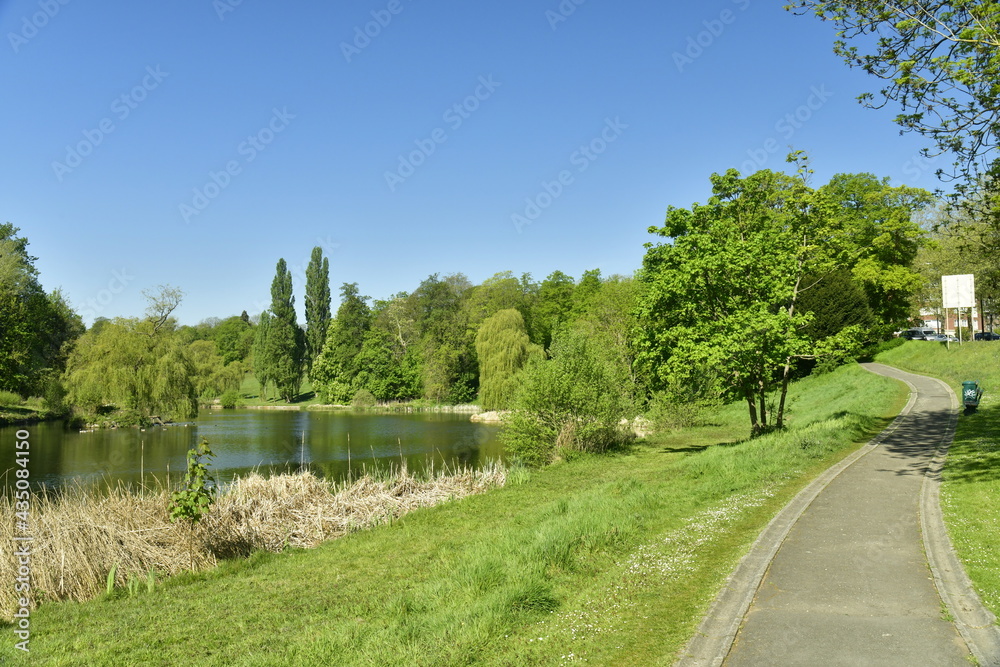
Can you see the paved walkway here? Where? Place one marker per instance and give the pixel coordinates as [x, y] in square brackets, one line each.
[840, 577]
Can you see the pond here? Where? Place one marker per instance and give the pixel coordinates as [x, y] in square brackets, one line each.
[335, 445]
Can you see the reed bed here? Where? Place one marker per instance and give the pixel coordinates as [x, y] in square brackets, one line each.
[82, 535]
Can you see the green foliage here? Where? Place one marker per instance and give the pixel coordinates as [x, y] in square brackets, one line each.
[880, 240]
[336, 368]
[127, 364]
[504, 348]
[552, 306]
[282, 342]
[36, 328]
[317, 304]
[234, 339]
[192, 502]
[10, 399]
[939, 60]
[262, 362]
[230, 399]
[388, 373]
[571, 403]
[723, 293]
[363, 399]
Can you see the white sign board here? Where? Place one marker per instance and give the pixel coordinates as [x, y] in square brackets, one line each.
[958, 291]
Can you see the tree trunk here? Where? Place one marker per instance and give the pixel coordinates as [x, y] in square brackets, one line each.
[751, 403]
[779, 423]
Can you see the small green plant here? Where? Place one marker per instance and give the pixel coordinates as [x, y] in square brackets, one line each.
[150, 580]
[193, 501]
[109, 585]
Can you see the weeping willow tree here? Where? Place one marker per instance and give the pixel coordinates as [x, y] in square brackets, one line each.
[504, 348]
[126, 364]
[137, 365]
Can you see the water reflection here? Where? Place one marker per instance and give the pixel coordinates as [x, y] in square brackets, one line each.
[333, 444]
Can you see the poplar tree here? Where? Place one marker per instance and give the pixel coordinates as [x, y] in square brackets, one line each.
[317, 304]
[285, 342]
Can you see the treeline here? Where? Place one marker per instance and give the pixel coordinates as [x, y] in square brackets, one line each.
[768, 280]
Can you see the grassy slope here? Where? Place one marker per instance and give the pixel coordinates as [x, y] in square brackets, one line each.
[971, 490]
[609, 559]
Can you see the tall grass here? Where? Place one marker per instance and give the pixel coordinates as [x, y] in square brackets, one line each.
[81, 535]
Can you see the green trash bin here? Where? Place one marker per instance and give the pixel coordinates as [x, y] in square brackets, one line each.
[971, 394]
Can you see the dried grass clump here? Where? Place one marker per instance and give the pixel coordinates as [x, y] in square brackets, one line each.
[81, 535]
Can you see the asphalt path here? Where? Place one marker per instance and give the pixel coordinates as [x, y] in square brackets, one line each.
[857, 569]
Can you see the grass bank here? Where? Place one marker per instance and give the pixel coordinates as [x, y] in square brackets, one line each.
[970, 493]
[604, 559]
[81, 537]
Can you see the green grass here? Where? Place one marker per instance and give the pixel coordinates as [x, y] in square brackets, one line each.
[251, 396]
[970, 493]
[608, 559]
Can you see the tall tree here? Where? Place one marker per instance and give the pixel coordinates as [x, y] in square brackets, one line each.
[504, 348]
[553, 306]
[135, 364]
[263, 366]
[881, 240]
[335, 368]
[285, 340]
[35, 328]
[317, 304]
[723, 294]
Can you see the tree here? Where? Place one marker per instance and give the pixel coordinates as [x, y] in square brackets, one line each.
[723, 293]
[881, 240]
[335, 368]
[504, 348]
[940, 61]
[380, 372]
[317, 304]
[263, 365]
[553, 306]
[449, 372]
[234, 339]
[36, 329]
[130, 364]
[285, 342]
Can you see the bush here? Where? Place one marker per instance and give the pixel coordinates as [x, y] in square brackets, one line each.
[666, 412]
[230, 399]
[872, 351]
[572, 403]
[363, 399]
[11, 399]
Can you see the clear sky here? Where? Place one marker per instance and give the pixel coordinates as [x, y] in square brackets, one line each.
[195, 143]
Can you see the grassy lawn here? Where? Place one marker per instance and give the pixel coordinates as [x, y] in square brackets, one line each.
[610, 560]
[251, 396]
[970, 494]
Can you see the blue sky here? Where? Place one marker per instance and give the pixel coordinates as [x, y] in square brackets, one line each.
[195, 143]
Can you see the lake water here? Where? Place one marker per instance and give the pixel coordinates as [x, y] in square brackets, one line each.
[332, 444]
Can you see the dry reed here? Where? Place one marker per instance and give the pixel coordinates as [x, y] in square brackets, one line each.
[81, 535]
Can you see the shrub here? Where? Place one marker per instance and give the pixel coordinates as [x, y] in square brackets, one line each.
[667, 412]
[10, 398]
[572, 403]
[872, 351]
[363, 399]
[230, 399]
